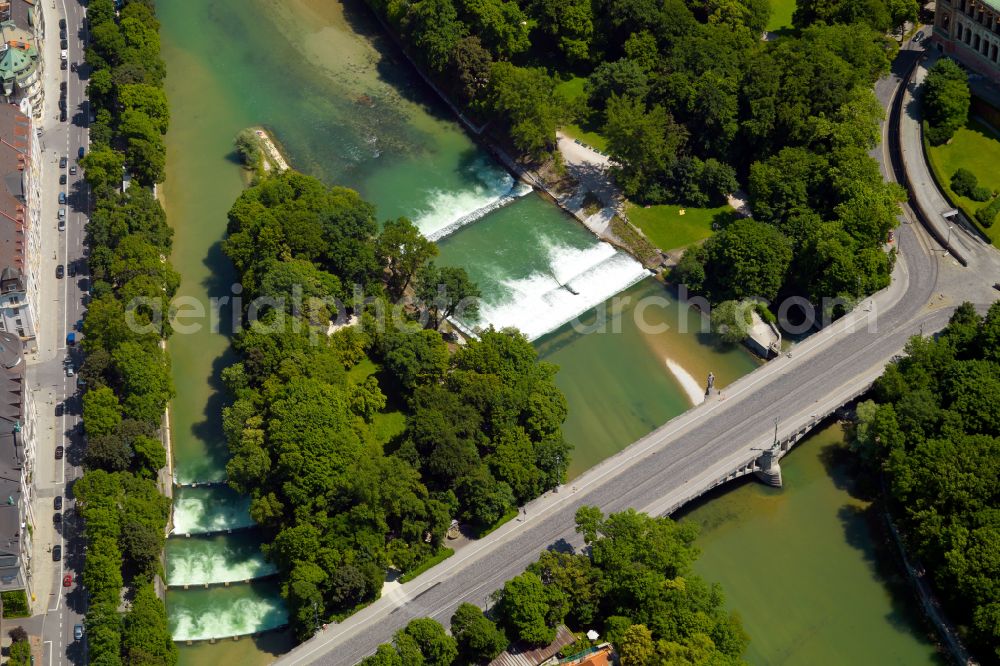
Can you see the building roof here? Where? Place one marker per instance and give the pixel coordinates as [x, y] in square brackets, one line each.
[519, 655]
[15, 130]
[595, 656]
[992, 4]
[11, 459]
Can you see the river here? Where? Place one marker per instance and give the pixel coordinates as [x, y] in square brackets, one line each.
[807, 566]
[347, 109]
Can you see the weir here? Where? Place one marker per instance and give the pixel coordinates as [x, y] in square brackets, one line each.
[227, 612]
[210, 510]
[216, 560]
[577, 280]
[517, 191]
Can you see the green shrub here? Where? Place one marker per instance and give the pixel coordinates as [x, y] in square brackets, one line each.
[988, 213]
[937, 135]
[20, 654]
[15, 604]
[980, 193]
[963, 182]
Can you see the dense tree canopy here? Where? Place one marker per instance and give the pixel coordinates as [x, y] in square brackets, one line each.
[339, 500]
[934, 429]
[946, 99]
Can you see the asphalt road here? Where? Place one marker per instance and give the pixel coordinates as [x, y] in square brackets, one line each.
[675, 461]
[58, 313]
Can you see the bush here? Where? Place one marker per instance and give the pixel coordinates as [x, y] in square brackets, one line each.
[988, 213]
[937, 136]
[15, 604]
[963, 182]
[18, 634]
[20, 654]
[981, 193]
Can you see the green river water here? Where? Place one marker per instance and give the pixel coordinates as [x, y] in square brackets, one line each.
[347, 109]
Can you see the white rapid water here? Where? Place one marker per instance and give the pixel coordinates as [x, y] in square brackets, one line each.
[205, 510]
[447, 211]
[577, 280]
[223, 619]
[694, 391]
[203, 561]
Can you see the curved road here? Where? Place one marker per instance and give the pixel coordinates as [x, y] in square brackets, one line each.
[673, 463]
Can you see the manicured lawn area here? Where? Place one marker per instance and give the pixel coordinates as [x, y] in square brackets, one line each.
[572, 89]
[667, 229]
[387, 424]
[781, 14]
[977, 149]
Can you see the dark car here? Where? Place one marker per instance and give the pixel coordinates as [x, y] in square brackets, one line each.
[63, 44]
[62, 23]
[60, 408]
[72, 67]
[62, 179]
[72, 270]
[56, 553]
[60, 271]
[58, 502]
[80, 152]
[62, 86]
[57, 518]
[72, 170]
[62, 33]
[79, 325]
[62, 116]
[62, 65]
[62, 162]
[59, 452]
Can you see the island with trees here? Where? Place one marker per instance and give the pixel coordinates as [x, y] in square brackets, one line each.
[126, 373]
[633, 585]
[932, 432]
[360, 445]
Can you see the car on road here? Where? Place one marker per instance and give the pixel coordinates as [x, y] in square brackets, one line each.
[63, 44]
[62, 162]
[62, 224]
[56, 553]
[59, 452]
[62, 213]
[72, 269]
[67, 580]
[62, 86]
[62, 116]
[62, 197]
[57, 518]
[72, 170]
[77, 631]
[72, 67]
[60, 408]
[80, 152]
[62, 65]
[69, 371]
[62, 23]
[62, 179]
[60, 271]
[57, 502]
[79, 325]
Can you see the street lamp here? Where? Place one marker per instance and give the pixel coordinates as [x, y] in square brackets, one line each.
[948, 243]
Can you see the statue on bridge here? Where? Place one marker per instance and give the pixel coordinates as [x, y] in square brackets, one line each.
[711, 384]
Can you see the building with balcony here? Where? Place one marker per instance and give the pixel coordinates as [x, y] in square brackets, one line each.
[17, 463]
[969, 31]
[20, 242]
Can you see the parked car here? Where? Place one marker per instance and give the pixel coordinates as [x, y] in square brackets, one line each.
[72, 67]
[62, 23]
[62, 213]
[62, 197]
[62, 65]
[62, 86]
[56, 553]
[77, 631]
[62, 162]
[67, 580]
[80, 153]
[72, 270]
[63, 44]
[60, 271]
[70, 371]
[62, 179]
[60, 408]
[72, 170]
[57, 518]
[62, 224]
[62, 115]
[59, 452]
[79, 325]
[58, 502]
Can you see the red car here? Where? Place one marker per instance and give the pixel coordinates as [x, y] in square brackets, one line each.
[67, 580]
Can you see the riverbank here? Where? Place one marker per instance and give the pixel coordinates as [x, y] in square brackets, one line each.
[274, 159]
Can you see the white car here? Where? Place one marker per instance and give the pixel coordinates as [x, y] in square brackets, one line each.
[69, 371]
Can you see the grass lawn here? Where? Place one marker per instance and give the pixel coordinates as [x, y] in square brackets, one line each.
[977, 149]
[667, 229]
[387, 424]
[572, 90]
[781, 14]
